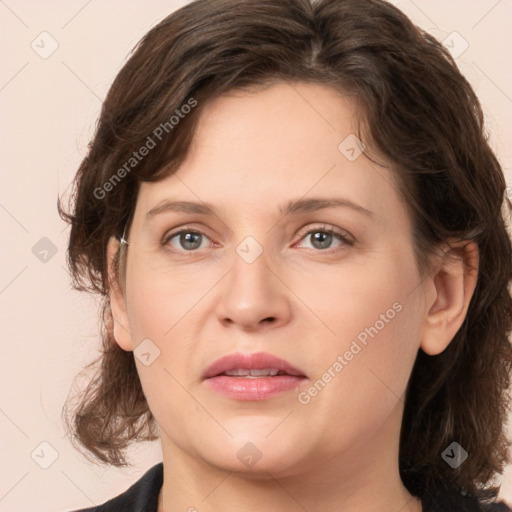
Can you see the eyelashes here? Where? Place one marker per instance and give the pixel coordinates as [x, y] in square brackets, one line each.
[190, 240]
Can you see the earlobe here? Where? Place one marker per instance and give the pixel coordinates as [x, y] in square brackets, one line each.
[450, 289]
[121, 329]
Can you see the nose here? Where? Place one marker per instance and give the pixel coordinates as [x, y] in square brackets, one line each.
[253, 295]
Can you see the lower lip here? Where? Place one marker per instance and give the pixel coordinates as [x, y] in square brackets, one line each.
[261, 388]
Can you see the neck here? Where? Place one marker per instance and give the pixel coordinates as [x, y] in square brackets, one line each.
[365, 477]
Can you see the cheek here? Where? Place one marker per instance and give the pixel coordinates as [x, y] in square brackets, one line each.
[163, 307]
[374, 312]
[371, 379]
[367, 303]
[368, 299]
[159, 310]
[162, 298]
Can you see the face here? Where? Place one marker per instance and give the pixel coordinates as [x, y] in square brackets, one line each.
[306, 256]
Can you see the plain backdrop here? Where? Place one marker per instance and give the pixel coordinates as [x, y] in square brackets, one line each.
[57, 62]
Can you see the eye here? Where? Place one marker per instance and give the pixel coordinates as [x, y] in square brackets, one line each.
[322, 237]
[185, 239]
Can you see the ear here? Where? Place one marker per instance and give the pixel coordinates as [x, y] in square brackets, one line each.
[121, 329]
[449, 291]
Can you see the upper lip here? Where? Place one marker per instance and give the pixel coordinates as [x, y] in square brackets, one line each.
[256, 361]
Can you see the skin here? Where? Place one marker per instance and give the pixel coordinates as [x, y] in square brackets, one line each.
[298, 301]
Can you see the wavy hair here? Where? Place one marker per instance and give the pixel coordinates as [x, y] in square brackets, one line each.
[417, 112]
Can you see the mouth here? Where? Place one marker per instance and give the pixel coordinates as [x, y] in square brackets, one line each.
[256, 376]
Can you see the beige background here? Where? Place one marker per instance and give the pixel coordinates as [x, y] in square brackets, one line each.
[48, 112]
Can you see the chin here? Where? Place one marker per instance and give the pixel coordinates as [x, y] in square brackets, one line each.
[256, 457]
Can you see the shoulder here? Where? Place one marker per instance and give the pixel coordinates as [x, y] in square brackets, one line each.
[142, 496]
[457, 502]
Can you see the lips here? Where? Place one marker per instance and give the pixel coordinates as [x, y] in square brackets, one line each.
[258, 376]
[251, 365]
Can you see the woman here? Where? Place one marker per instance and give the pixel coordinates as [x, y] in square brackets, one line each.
[298, 229]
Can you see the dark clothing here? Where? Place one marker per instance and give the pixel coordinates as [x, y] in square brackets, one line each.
[142, 496]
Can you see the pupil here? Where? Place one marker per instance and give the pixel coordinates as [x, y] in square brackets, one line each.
[323, 239]
[189, 240]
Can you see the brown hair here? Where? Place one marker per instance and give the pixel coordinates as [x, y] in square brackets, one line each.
[421, 116]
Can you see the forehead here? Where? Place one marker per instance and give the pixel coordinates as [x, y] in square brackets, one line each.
[255, 149]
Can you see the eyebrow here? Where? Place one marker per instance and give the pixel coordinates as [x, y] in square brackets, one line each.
[298, 206]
